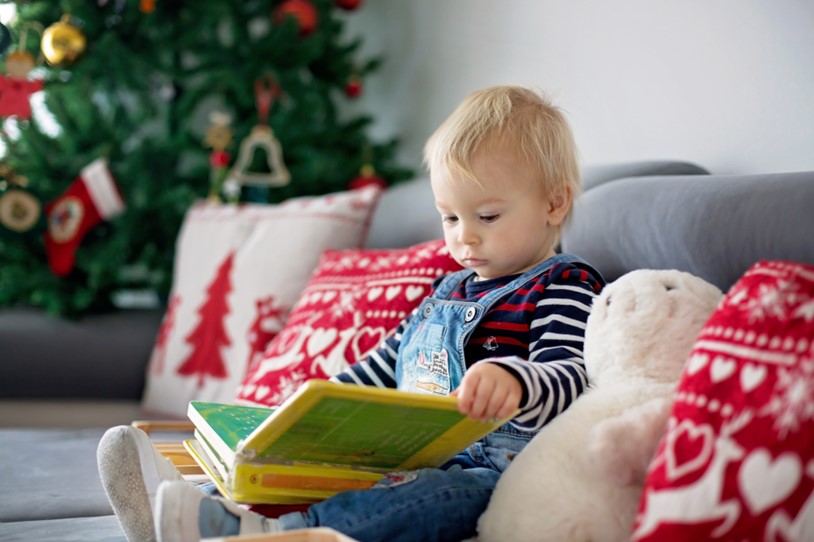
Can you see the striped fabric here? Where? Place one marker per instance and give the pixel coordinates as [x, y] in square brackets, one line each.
[536, 333]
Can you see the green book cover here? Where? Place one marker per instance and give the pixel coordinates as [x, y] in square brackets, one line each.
[359, 432]
[225, 426]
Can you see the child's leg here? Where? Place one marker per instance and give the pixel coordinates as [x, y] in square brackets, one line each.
[427, 505]
[435, 505]
[131, 470]
[184, 514]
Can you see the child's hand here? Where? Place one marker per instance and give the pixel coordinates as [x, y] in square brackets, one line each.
[488, 391]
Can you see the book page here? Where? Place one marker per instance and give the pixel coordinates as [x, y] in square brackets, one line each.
[366, 434]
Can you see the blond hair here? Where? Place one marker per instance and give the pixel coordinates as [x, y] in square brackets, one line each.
[519, 117]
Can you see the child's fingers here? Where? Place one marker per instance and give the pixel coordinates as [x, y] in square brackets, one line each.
[510, 403]
[469, 398]
[465, 393]
[504, 401]
[482, 399]
[487, 391]
[497, 404]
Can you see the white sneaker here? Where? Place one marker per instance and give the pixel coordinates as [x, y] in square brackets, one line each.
[131, 470]
[183, 512]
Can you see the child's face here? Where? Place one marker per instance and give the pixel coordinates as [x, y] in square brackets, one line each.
[505, 225]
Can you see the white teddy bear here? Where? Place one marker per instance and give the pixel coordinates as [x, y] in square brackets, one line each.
[581, 477]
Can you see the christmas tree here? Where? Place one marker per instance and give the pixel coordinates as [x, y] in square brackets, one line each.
[161, 93]
[210, 335]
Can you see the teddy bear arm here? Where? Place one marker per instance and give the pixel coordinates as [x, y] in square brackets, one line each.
[620, 448]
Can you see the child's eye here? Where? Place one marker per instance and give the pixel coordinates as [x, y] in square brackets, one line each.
[489, 218]
[449, 219]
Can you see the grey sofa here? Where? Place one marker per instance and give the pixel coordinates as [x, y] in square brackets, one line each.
[86, 376]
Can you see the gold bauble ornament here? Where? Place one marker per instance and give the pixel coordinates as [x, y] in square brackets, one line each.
[62, 42]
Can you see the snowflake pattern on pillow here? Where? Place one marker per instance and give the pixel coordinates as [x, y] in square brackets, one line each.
[354, 299]
[737, 459]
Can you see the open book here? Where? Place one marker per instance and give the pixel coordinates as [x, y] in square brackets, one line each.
[326, 438]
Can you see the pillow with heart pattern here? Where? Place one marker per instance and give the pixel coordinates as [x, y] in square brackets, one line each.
[353, 300]
[737, 458]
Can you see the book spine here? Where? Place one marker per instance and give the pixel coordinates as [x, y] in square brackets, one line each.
[283, 484]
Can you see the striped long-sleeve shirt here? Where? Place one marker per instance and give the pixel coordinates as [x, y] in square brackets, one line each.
[536, 333]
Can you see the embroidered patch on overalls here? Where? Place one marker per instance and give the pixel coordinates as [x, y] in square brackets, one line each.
[435, 372]
[422, 362]
[439, 364]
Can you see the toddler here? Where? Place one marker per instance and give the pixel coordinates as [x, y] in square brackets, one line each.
[504, 335]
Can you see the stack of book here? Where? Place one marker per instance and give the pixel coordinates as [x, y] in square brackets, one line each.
[326, 438]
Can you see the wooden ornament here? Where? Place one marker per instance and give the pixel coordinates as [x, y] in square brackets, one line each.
[261, 137]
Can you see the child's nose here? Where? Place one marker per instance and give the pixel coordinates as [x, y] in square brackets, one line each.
[467, 234]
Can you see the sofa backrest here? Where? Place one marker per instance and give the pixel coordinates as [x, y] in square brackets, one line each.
[713, 226]
[406, 213]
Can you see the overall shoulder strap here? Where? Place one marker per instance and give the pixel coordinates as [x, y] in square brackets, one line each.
[450, 282]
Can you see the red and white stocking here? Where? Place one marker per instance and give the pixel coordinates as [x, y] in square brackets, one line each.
[91, 198]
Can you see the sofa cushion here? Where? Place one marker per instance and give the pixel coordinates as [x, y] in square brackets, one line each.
[713, 226]
[737, 461]
[238, 270]
[354, 299]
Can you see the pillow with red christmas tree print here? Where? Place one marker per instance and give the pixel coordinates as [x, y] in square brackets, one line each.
[238, 271]
[354, 299]
[737, 458]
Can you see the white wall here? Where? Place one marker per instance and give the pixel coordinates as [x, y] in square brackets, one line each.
[728, 84]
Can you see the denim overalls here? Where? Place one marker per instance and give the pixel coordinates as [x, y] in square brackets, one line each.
[431, 356]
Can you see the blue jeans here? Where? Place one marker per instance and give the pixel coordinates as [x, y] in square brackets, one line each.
[423, 505]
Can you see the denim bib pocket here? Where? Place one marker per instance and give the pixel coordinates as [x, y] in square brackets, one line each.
[429, 335]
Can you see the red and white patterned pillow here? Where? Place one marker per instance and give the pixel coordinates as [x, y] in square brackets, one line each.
[238, 271]
[737, 460]
[354, 299]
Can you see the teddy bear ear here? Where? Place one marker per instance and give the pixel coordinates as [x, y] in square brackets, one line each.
[708, 291]
[697, 286]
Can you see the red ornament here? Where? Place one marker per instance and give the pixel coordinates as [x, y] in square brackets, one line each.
[15, 88]
[353, 88]
[219, 158]
[302, 11]
[367, 177]
[348, 5]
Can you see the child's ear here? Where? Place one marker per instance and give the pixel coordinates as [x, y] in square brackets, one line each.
[558, 206]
